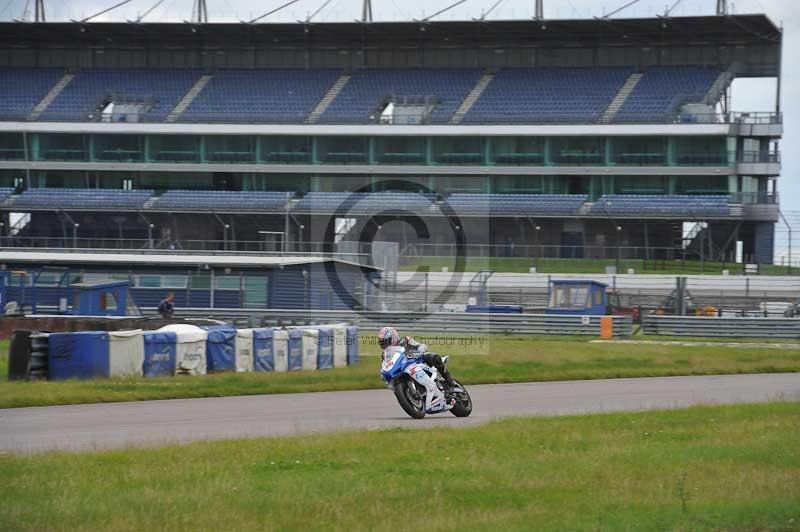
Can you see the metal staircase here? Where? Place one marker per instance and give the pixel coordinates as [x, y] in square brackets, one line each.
[187, 99]
[42, 106]
[478, 286]
[618, 101]
[471, 98]
[718, 88]
[326, 100]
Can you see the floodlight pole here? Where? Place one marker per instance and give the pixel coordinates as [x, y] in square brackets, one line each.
[200, 12]
[722, 8]
[539, 10]
[366, 11]
[39, 11]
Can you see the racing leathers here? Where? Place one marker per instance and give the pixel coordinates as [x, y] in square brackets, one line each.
[414, 348]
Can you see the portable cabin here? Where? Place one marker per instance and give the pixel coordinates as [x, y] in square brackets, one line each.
[103, 298]
[576, 296]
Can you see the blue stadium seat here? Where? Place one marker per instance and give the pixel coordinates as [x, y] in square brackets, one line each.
[667, 205]
[23, 88]
[662, 90]
[367, 203]
[227, 200]
[87, 91]
[547, 95]
[275, 96]
[359, 99]
[516, 204]
[5, 193]
[76, 198]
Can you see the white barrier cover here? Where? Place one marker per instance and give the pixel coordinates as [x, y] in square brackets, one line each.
[244, 350]
[280, 348]
[339, 346]
[125, 353]
[190, 356]
[310, 348]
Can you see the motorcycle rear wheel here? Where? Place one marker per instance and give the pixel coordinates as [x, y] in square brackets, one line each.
[409, 398]
[463, 406]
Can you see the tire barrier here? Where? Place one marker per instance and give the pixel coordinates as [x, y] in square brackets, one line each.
[179, 349]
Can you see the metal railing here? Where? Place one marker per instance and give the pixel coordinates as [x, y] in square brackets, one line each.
[364, 119]
[438, 322]
[722, 327]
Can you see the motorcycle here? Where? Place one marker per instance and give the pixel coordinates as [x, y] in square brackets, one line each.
[419, 388]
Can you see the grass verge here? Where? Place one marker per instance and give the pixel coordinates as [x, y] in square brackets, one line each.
[478, 360]
[703, 468]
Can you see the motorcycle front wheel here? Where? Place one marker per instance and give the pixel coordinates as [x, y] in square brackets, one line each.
[410, 399]
[463, 406]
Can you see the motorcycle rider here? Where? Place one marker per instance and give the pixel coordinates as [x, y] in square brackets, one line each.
[388, 336]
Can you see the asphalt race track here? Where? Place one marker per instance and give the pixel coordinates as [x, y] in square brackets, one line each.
[149, 423]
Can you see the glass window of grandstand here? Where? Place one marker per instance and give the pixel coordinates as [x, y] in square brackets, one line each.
[517, 150]
[255, 291]
[174, 149]
[60, 147]
[285, 149]
[639, 151]
[700, 151]
[577, 151]
[458, 150]
[276, 183]
[118, 148]
[12, 178]
[342, 150]
[701, 185]
[61, 179]
[400, 150]
[641, 184]
[230, 149]
[12, 147]
[343, 183]
[160, 281]
[518, 184]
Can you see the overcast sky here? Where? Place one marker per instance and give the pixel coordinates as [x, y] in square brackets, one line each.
[748, 94]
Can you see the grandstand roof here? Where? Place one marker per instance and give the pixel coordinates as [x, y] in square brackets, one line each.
[741, 29]
[733, 30]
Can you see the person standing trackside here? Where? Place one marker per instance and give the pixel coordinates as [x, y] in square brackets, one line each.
[166, 308]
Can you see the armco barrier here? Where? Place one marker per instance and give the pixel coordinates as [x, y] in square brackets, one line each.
[438, 322]
[722, 327]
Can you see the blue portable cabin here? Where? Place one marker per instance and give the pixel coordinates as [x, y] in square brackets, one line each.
[577, 296]
[103, 298]
[207, 281]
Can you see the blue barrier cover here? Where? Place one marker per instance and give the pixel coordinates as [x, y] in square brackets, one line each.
[159, 353]
[496, 309]
[263, 350]
[325, 348]
[295, 349]
[221, 349]
[81, 355]
[352, 345]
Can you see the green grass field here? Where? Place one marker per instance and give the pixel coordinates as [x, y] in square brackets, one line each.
[704, 468]
[522, 265]
[497, 360]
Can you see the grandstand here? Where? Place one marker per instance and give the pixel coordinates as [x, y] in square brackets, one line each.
[570, 135]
